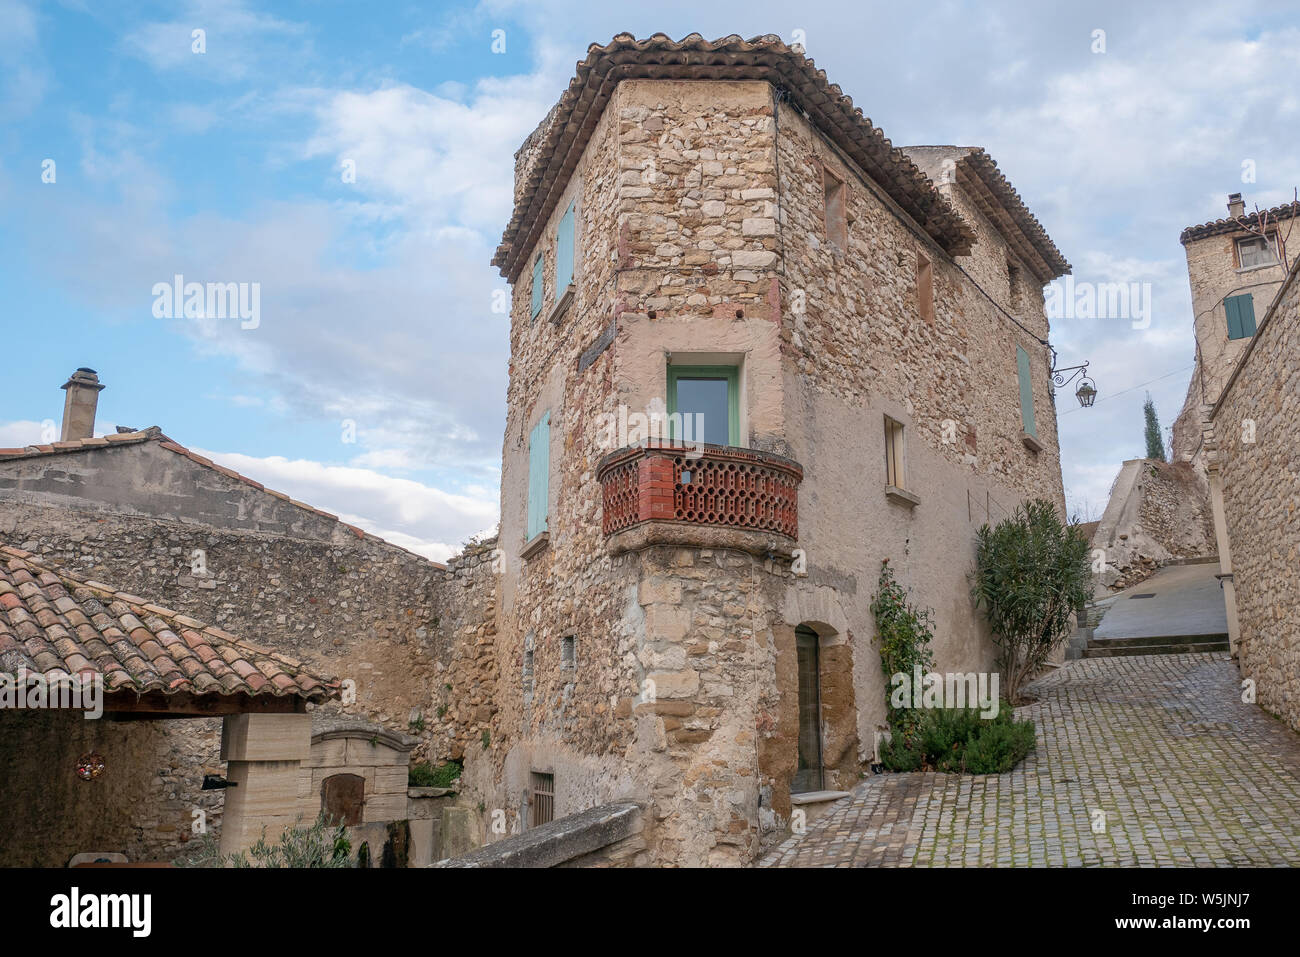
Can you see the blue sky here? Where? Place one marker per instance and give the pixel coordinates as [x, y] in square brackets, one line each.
[228, 166]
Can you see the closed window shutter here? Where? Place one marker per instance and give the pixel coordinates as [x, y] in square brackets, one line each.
[1232, 306]
[1026, 392]
[537, 286]
[564, 252]
[539, 476]
[1241, 316]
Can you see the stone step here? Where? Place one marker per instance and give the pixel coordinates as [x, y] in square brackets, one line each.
[816, 803]
[1156, 640]
[1098, 649]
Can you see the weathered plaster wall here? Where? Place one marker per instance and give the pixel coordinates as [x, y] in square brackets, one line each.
[1261, 496]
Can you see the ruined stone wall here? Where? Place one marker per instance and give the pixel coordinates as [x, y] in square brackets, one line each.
[1261, 496]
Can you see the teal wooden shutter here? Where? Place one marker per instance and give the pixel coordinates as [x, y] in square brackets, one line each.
[1026, 392]
[564, 252]
[1241, 316]
[539, 476]
[537, 287]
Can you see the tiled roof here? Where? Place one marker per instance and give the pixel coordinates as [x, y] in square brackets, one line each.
[155, 434]
[979, 176]
[1221, 226]
[568, 127]
[56, 624]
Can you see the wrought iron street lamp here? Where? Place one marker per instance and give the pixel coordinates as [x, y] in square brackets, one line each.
[1086, 393]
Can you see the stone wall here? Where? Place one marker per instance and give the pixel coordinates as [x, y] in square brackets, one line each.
[1261, 497]
[142, 804]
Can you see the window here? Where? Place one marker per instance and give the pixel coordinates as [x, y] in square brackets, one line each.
[543, 799]
[537, 286]
[924, 287]
[539, 476]
[1241, 316]
[528, 672]
[708, 400]
[568, 653]
[1013, 282]
[1026, 393]
[894, 476]
[836, 219]
[564, 251]
[1257, 251]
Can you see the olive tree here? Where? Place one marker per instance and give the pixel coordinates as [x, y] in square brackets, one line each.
[1031, 573]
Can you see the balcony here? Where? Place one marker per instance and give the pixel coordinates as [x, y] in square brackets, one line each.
[713, 496]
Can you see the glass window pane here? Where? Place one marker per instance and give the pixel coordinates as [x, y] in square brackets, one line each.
[707, 397]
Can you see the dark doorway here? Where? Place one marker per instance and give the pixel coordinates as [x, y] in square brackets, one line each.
[342, 796]
[809, 775]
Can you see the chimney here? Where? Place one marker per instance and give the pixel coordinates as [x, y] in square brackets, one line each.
[1235, 206]
[79, 407]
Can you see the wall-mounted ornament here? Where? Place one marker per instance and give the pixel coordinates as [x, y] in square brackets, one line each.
[90, 766]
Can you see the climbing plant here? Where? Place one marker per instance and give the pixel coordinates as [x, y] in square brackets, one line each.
[904, 632]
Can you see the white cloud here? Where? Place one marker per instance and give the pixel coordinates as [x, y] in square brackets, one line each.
[420, 517]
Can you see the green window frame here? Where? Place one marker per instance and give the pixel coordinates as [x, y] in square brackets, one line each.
[564, 251]
[539, 477]
[730, 373]
[1241, 316]
[537, 286]
[1026, 393]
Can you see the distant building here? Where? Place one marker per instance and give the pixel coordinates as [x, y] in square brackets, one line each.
[1235, 269]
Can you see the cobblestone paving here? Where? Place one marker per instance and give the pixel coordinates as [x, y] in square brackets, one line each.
[1186, 774]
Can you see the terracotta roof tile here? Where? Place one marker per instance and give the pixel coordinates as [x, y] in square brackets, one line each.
[1222, 226]
[52, 622]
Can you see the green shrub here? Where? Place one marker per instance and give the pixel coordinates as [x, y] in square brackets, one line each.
[957, 740]
[425, 775]
[314, 845]
[1031, 573]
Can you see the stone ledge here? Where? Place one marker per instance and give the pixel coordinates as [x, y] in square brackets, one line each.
[1031, 442]
[902, 496]
[552, 844]
[694, 535]
[535, 545]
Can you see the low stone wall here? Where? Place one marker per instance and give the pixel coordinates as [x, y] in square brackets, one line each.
[605, 836]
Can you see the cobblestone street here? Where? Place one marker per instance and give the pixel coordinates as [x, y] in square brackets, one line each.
[1186, 774]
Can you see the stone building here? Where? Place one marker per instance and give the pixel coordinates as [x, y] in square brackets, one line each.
[709, 236]
[1234, 273]
[142, 511]
[1254, 465]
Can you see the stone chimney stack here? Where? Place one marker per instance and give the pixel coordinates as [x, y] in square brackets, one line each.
[79, 407]
[1235, 205]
